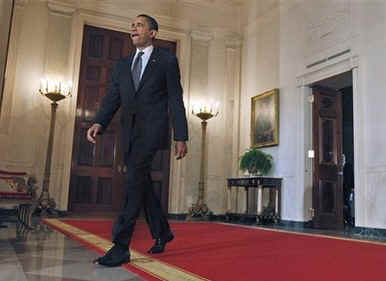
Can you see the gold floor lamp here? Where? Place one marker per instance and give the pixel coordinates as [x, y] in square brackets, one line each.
[205, 112]
[55, 91]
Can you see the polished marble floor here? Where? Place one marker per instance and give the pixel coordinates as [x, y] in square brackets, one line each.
[47, 255]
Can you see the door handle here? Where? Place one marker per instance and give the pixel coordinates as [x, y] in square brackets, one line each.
[119, 168]
[312, 212]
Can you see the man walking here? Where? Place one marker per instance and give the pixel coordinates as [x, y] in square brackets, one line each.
[147, 85]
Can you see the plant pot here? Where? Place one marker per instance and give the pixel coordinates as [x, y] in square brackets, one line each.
[255, 174]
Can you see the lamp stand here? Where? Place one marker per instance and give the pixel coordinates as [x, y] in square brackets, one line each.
[45, 203]
[200, 210]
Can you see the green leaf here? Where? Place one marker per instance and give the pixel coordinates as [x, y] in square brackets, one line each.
[254, 160]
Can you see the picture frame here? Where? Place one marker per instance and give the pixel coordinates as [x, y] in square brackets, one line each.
[6, 14]
[265, 119]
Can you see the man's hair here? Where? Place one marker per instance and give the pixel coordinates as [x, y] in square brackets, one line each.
[151, 21]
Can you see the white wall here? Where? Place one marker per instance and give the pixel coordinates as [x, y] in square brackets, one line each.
[281, 38]
[23, 122]
[369, 19]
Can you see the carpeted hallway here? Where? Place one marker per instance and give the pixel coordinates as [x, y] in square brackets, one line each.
[214, 251]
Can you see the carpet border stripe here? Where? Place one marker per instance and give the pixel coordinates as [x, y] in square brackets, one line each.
[151, 266]
[379, 243]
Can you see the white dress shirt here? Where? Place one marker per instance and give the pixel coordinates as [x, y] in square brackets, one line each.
[145, 57]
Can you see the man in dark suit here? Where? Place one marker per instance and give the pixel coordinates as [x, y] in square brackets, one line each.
[147, 85]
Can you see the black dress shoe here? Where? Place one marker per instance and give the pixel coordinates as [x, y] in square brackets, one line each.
[114, 257]
[159, 245]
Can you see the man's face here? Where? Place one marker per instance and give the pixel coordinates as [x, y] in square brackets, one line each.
[141, 34]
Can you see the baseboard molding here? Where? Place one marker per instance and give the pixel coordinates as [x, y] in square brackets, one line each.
[63, 213]
[178, 217]
[373, 233]
[296, 224]
[303, 226]
[211, 217]
[8, 215]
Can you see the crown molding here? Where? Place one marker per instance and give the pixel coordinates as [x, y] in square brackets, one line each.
[234, 41]
[200, 35]
[328, 69]
[196, 3]
[123, 10]
[62, 7]
[179, 25]
[234, 3]
[21, 3]
[208, 3]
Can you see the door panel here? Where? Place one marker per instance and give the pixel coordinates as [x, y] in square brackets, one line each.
[161, 162]
[327, 176]
[160, 176]
[95, 183]
[97, 173]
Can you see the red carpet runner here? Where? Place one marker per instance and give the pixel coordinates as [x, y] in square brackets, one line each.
[231, 253]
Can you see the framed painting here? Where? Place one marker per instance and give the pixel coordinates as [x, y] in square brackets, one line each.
[265, 119]
[6, 11]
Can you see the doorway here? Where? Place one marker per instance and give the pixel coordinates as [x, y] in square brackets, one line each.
[333, 146]
[98, 171]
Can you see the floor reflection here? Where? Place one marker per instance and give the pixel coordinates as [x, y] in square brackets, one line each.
[44, 254]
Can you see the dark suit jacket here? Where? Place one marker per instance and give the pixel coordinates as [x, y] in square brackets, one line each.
[159, 90]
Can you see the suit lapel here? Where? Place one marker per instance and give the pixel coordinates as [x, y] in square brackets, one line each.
[125, 76]
[153, 60]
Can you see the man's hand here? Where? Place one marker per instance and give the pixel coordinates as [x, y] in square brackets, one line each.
[93, 131]
[181, 149]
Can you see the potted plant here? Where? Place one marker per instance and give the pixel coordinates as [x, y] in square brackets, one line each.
[256, 162]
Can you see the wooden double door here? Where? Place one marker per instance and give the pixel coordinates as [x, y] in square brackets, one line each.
[98, 171]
